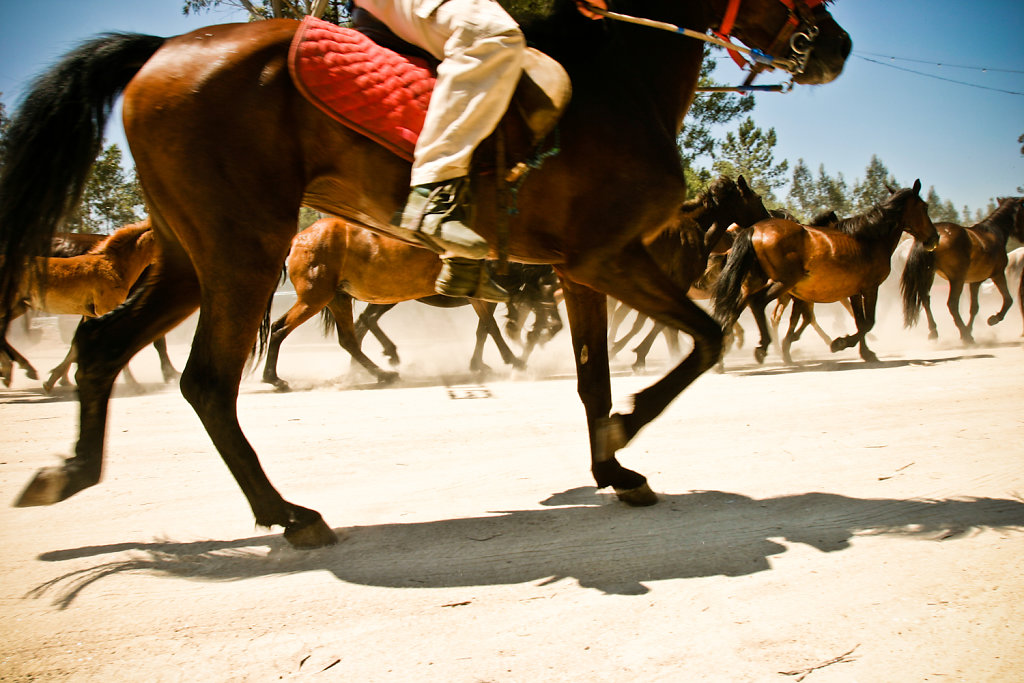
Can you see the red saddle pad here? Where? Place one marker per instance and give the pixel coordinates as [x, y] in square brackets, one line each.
[371, 89]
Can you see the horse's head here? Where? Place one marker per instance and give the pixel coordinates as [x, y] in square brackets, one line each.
[914, 218]
[800, 35]
[735, 202]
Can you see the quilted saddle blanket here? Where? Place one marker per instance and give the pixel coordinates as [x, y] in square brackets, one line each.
[369, 88]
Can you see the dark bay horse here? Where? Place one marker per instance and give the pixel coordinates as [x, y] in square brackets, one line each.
[532, 289]
[963, 256]
[334, 261]
[823, 264]
[685, 249]
[227, 150]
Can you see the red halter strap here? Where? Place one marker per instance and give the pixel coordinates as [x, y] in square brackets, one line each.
[733, 9]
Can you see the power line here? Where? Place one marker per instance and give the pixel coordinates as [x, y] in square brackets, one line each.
[942, 64]
[939, 78]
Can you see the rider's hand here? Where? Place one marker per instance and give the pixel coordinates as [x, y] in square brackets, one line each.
[584, 7]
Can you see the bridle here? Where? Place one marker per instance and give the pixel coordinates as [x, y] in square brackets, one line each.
[797, 33]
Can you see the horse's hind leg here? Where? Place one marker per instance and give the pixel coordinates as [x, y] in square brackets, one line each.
[104, 346]
[953, 304]
[487, 326]
[999, 280]
[166, 367]
[368, 321]
[341, 308]
[16, 357]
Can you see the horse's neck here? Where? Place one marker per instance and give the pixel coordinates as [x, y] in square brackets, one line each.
[999, 223]
[653, 73]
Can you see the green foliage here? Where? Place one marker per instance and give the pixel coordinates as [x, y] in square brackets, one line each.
[750, 152]
[874, 189]
[336, 11]
[110, 200]
[809, 196]
[5, 122]
[940, 211]
[707, 110]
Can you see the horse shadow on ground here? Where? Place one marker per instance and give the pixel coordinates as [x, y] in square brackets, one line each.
[579, 534]
[840, 365]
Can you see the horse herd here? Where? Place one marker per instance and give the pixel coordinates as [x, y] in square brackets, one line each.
[227, 149]
[724, 246]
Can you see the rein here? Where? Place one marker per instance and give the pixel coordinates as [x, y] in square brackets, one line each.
[799, 42]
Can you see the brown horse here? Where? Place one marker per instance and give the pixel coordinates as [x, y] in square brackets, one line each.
[227, 150]
[964, 256]
[88, 285]
[823, 264]
[68, 244]
[686, 250]
[334, 261]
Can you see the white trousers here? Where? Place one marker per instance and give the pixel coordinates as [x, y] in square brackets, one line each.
[481, 51]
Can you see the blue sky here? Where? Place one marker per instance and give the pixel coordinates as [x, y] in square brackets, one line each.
[961, 140]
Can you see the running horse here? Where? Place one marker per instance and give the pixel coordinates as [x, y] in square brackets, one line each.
[227, 150]
[778, 256]
[88, 285]
[334, 261]
[963, 256]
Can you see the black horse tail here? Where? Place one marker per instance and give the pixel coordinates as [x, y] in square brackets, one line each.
[327, 323]
[727, 298]
[916, 282]
[52, 141]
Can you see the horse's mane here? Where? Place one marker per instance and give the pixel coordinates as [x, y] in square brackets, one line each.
[122, 239]
[1002, 217]
[879, 220]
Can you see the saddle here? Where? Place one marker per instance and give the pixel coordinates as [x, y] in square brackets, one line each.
[380, 86]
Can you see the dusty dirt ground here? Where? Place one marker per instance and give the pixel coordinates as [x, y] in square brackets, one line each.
[836, 521]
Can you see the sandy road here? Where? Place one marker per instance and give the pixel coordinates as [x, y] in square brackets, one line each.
[839, 520]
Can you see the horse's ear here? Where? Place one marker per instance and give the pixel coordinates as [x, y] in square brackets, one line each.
[917, 186]
[742, 183]
[890, 188]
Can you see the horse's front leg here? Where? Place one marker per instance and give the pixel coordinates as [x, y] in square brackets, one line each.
[588, 326]
[635, 279]
[864, 314]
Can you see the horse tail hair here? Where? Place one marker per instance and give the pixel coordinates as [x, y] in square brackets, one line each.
[259, 347]
[727, 297]
[916, 282]
[327, 322]
[52, 141]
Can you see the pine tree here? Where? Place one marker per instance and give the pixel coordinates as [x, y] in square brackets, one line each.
[749, 152]
[696, 139]
[874, 189]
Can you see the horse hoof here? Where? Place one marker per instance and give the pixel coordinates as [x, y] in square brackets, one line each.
[314, 535]
[994, 320]
[759, 355]
[32, 374]
[641, 496]
[385, 378]
[933, 335]
[280, 385]
[46, 488]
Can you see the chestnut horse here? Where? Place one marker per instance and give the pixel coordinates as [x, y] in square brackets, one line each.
[964, 256]
[822, 264]
[227, 150]
[334, 261]
[88, 285]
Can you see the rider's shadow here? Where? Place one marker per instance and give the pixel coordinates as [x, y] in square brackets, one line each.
[579, 534]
